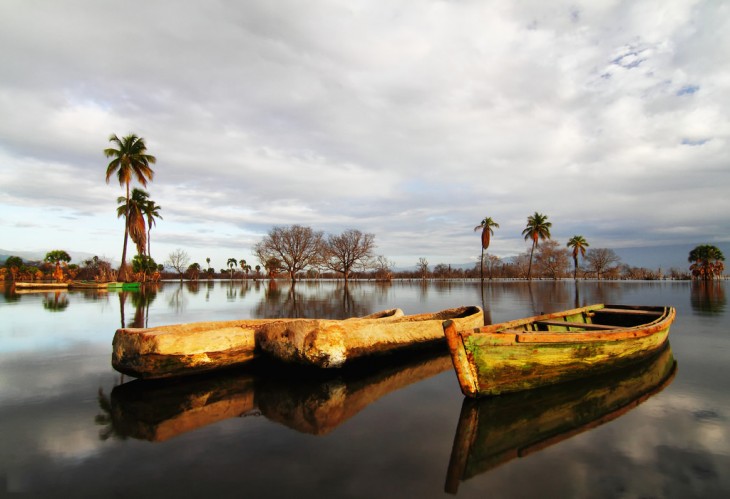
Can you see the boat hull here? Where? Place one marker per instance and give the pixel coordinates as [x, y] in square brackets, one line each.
[534, 352]
[332, 344]
[184, 349]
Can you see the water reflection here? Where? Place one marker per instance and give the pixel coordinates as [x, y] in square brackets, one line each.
[708, 297]
[56, 301]
[315, 300]
[494, 430]
[313, 402]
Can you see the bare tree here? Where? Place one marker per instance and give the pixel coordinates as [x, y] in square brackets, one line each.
[383, 268]
[349, 251]
[601, 261]
[552, 260]
[422, 267]
[296, 247]
[178, 260]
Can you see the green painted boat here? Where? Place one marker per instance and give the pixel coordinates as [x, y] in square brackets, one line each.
[552, 348]
[130, 285]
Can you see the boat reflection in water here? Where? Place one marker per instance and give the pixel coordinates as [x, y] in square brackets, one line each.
[307, 400]
[492, 431]
[160, 410]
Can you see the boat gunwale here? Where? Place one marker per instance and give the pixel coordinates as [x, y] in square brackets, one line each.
[502, 331]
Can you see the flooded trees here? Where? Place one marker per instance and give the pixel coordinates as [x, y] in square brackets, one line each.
[296, 247]
[706, 261]
[348, 251]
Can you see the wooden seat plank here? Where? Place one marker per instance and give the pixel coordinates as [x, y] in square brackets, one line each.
[576, 325]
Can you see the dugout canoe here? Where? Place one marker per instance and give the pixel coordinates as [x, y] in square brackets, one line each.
[495, 430]
[183, 349]
[41, 285]
[332, 344]
[88, 285]
[552, 348]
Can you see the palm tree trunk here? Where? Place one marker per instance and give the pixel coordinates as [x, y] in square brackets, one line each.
[529, 269]
[123, 269]
[481, 266]
[575, 269]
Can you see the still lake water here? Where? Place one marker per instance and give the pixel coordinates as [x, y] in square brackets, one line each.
[70, 426]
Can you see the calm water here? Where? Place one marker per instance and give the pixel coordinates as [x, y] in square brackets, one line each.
[70, 426]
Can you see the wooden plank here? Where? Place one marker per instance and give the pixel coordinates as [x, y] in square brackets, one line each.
[628, 311]
[576, 325]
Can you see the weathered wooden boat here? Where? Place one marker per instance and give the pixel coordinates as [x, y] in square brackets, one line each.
[494, 430]
[41, 285]
[331, 343]
[182, 349]
[88, 285]
[529, 353]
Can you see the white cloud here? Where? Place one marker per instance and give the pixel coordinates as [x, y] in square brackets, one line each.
[407, 119]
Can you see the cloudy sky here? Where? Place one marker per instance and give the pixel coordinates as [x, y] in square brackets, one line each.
[412, 120]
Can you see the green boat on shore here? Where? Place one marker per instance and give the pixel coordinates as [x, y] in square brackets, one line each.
[123, 285]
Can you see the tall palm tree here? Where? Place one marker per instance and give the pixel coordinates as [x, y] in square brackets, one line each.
[133, 209]
[579, 245]
[487, 232]
[151, 211]
[538, 228]
[231, 264]
[129, 160]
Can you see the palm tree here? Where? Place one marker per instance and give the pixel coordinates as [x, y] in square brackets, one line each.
[579, 245]
[706, 261]
[232, 263]
[243, 265]
[151, 211]
[133, 209]
[487, 232]
[537, 228]
[129, 160]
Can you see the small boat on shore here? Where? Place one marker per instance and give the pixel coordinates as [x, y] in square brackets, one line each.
[552, 348]
[495, 430]
[331, 343]
[87, 285]
[182, 349]
[41, 285]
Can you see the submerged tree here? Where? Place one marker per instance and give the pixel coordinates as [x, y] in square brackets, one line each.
[179, 260]
[348, 251]
[486, 226]
[296, 247]
[129, 160]
[579, 245]
[538, 228]
[706, 261]
[602, 260]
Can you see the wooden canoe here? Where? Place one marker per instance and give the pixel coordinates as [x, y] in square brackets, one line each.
[495, 430]
[183, 349]
[332, 344]
[41, 285]
[529, 353]
[88, 285]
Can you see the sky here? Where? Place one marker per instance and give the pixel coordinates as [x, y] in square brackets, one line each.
[409, 119]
